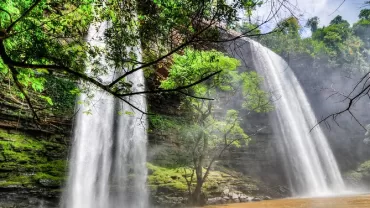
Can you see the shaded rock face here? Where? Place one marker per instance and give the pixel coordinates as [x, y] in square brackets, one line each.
[21, 197]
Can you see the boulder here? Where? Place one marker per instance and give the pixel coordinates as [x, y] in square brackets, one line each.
[256, 199]
[226, 192]
[213, 201]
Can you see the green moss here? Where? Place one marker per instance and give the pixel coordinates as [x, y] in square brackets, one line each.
[364, 167]
[359, 176]
[26, 160]
[44, 176]
[17, 180]
[169, 178]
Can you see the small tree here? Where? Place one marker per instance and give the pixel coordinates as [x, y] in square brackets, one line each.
[211, 133]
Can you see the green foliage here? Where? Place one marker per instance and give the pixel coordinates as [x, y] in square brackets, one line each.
[289, 26]
[208, 134]
[359, 176]
[362, 27]
[43, 33]
[249, 28]
[364, 14]
[61, 94]
[336, 45]
[194, 65]
[165, 123]
[226, 131]
[313, 24]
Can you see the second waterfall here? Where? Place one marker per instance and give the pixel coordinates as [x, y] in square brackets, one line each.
[310, 164]
[108, 158]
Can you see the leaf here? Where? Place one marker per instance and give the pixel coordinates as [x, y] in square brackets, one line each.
[129, 113]
[47, 99]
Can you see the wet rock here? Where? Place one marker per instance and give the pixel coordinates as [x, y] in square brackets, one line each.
[226, 192]
[213, 201]
[256, 199]
[49, 183]
[166, 201]
[243, 198]
[234, 196]
[267, 198]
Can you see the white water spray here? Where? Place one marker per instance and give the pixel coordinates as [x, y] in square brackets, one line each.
[108, 158]
[312, 168]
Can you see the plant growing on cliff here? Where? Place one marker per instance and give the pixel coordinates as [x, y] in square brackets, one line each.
[40, 38]
[213, 129]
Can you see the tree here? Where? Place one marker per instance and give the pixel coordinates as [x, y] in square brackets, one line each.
[364, 14]
[41, 38]
[250, 6]
[313, 24]
[289, 26]
[210, 134]
[362, 27]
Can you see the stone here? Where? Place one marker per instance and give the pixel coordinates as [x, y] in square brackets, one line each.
[256, 199]
[243, 200]
[213, 201]
[223, 201]
[267, 198]
[49, 183]
[226, 192]
[243, 196]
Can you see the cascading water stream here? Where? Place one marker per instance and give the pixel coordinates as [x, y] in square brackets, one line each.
[108, 157]
[311, 166]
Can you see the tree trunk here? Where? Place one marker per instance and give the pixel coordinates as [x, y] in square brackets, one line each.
[198, 197]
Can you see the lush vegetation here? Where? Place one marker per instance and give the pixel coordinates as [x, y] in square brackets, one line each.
[44, 41]
[337, 45]
[210, 132]
[44, 56]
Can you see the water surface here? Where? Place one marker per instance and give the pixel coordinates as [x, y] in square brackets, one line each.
[335, 202]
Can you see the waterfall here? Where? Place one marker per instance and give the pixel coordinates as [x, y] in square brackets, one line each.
[311, 166]
[108, 157]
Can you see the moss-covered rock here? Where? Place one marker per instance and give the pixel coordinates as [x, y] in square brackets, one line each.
[169, 187]
[28, 161]
[360, 176]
